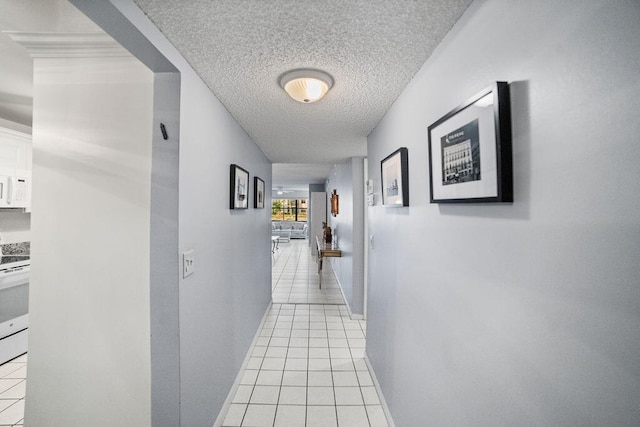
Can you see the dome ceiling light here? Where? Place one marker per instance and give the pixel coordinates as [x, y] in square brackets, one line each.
[305, 85]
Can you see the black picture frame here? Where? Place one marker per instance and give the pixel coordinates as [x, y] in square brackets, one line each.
[258, 193]
[394, 171]
[239, 188]
[470, 150]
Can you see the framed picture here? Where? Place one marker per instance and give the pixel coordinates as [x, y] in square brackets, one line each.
[258, 193]
[470, 150]
[239, 188]
[395, 178]
[334, 203]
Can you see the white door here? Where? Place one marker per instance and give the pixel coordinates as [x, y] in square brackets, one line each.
[318, 216]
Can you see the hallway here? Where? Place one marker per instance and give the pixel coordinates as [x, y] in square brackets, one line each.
[307, 367]
[294, 277]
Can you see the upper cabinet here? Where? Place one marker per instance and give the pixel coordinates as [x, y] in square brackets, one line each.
[15, 169]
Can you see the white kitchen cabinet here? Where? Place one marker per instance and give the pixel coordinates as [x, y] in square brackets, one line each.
[15, 163]
[15, 151]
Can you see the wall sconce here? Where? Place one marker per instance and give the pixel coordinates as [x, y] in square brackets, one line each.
[334, 203]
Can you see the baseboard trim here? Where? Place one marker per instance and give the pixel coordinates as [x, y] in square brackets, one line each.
[383, 402]
[344, 298]
[234, 388]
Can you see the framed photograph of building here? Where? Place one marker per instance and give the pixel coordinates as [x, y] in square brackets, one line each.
[395, 178]
[470, 150]
[239, 188]
[258, 193]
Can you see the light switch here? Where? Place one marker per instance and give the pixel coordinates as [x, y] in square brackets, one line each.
[188, 263]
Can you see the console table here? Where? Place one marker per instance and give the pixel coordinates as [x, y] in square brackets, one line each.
[284, 235]
[325, 250]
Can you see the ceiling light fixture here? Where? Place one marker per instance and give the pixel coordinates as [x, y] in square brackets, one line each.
[306, 85]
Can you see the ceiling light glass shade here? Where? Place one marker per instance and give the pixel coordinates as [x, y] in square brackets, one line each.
[306, 85]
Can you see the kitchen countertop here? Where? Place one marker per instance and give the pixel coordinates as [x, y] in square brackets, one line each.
[21, 248]
[14, 255]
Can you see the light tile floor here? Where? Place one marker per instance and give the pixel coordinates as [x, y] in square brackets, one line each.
[13, 383]
[307, 369]
[295, 276]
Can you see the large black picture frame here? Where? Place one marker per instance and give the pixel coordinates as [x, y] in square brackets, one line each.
[470, 154]
[239, 189]
[395, 178]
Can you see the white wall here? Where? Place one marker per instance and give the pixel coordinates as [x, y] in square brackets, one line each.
[314, 188]
[221, 305]
[524, 313]
[89, 335]
[165, 269]
[317, 218]
[348, 230]
[15, 226]
[223, 302]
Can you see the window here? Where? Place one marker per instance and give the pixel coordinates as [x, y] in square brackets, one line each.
[289, 210]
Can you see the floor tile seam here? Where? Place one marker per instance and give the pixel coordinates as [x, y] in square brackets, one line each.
[307, 394]
[17, 399]
[10, 372]
[20, 381]
[14, 403]
[13, 362]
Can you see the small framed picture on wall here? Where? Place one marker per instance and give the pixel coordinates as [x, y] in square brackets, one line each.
[239, 190]
[395, 179]
[258, 193]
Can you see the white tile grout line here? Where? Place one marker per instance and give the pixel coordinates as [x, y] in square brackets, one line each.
[375, 382]
[21, 364]
[296, 270]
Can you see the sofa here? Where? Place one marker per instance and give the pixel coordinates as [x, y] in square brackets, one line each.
[289, 229]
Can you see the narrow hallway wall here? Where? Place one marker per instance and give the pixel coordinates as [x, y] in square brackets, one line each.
[523, 313]
[223, 302]
[348, 229]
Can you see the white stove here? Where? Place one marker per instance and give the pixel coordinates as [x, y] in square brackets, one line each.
[14, 305]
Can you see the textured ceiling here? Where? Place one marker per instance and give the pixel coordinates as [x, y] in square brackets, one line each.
[298, 176]
[372, 48]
